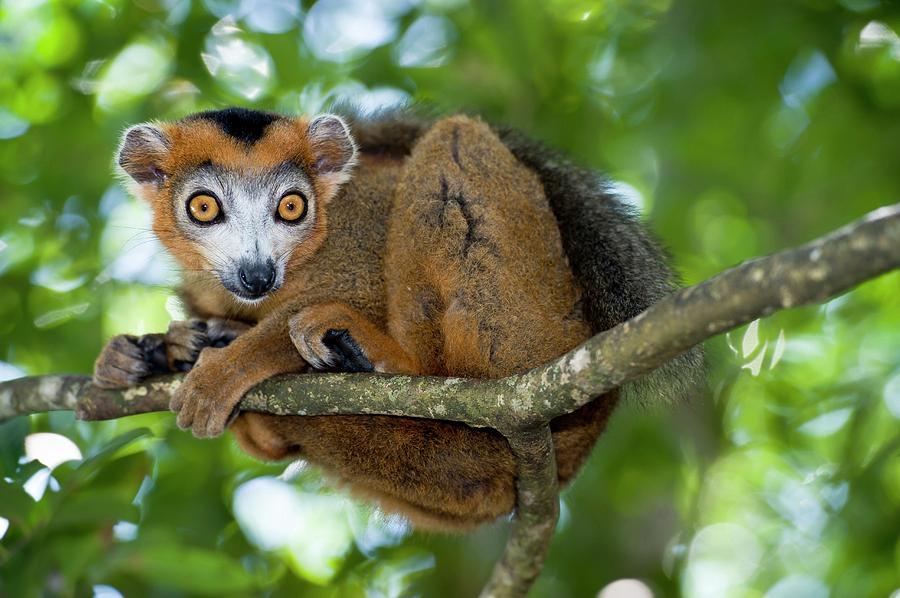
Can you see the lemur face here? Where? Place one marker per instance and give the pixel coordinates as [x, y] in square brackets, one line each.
[239, 193]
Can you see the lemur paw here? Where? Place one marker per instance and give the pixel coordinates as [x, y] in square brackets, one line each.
[205, 402]
[184, 341]
[186, 338]
[126, 360]
[222, 332]
[323, 339]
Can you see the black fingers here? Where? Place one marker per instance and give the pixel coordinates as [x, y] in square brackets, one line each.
[222, 332]
[153, 349]
[348, 355]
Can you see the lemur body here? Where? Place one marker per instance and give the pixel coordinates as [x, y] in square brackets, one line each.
[439, 253]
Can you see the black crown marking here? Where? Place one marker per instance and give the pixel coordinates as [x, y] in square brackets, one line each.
[243, 124]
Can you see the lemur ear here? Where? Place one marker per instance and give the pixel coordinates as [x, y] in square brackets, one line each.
[141, 153]
[332, 145]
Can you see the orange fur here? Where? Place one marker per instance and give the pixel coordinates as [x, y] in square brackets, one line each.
[444, 262]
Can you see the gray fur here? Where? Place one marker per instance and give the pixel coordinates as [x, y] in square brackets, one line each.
[250, 232]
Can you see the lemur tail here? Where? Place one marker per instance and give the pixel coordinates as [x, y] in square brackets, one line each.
[619, 265]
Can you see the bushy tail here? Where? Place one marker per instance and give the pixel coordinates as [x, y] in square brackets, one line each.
[615, 259]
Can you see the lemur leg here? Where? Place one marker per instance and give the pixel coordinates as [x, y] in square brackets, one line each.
[474, 247]
[127, 359]
[497, 295]
[334, 336]
[442, 475]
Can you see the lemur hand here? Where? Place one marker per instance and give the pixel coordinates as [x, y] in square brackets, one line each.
[207, 398]
[333, 337]
[322, 335]
[127, 360]
[185, 340]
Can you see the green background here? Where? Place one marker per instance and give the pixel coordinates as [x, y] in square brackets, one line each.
[738, 128]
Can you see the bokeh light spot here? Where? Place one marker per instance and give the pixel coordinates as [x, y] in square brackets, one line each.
[626, 588]
[425, 43]
[11, 126]
[827, 423]
[10, 372]
[138, 70]
[340, 30]
[796, 586]
[722, 557]
[270, 16]
[51, 449]
[106, 592]
[311, 530]
[242, 67]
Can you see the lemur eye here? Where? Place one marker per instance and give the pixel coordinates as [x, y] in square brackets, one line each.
[292, 207]
[204, 208]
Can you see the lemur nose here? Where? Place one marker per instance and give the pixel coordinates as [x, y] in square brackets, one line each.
[257, 278]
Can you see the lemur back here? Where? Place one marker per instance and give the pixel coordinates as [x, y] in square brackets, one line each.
[452, 250]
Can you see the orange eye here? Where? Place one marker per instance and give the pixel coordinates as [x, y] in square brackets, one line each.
[204, 208]
[292, 207]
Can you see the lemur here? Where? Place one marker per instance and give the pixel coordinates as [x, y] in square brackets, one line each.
[441, 247]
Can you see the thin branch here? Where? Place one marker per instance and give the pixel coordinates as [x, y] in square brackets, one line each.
[522, 405]
[537, 509]
[39, 394]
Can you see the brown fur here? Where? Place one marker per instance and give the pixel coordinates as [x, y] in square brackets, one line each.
[447, 261]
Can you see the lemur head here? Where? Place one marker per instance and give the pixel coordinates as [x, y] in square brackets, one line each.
[237, 192]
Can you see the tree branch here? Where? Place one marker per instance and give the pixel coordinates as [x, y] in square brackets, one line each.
[537, 510]
[521, 406]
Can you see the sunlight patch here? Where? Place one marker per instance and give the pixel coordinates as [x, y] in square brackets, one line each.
[51, 449]
[722, 557]
[626, 588]
[311, 531]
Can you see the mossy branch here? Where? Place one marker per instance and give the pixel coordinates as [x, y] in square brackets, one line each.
[522, 405]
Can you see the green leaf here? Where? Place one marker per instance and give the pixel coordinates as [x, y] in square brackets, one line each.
[127, 471]
[187, 569]
[90, 508]
[15, 503]
[87, 468]
[12, 442]
[26, 470]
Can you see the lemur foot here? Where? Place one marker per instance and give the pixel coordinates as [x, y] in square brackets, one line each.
[127, 360]
[322, 337]
[201, 401]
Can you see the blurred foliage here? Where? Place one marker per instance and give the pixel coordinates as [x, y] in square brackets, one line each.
[738, 128]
